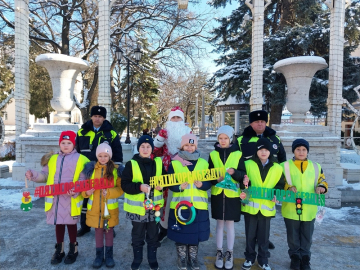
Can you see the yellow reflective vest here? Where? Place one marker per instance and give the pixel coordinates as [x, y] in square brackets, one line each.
[134, 203]
[76, 203]
[266, 207]
[111, 203]
[231, 162]
[197, 197]
[304, 182]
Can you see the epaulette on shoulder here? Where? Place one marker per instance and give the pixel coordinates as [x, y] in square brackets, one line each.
[45, 158]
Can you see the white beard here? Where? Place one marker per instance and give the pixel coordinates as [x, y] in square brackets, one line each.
[175, 130]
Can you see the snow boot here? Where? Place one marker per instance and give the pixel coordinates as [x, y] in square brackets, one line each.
[138, 256]
[109, 260]
[193, 257]
[151, 255]
[295, 262]
[59, 253]
[305, 263]
[229, 260]
[219, 262]
[181, 259]
[99, 258]
[72, 254]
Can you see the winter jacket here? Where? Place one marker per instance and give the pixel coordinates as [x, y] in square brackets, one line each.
[223, 207]
[199, 229]
[247, 143]
[106, 132]
[94, 217]
[60, 212]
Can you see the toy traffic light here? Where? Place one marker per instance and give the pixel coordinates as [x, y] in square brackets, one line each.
[298, 206]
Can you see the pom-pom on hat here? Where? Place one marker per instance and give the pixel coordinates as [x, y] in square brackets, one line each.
[104, 148]
[145, 139]
[263, 143]
[98, 110]
[300, 142]
[68, 135]
[189, 138]
[176, 111]
[258, 115]
[227, 130]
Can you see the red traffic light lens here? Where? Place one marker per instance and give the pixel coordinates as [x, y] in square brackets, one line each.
[298, 200]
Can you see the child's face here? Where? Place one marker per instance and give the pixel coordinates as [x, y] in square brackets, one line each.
[300, 153]
[145, 150]
[66, 146]
[103, 158]
[189, 147]
[224, 141]
[263, 154]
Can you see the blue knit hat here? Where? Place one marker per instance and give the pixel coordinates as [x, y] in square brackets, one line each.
[145, 139]
[300, 142]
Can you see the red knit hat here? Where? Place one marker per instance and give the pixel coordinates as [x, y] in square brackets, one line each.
[68, 135]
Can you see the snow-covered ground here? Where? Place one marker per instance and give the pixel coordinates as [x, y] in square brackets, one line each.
[349, 156]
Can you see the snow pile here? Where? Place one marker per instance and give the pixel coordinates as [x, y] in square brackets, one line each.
[340, 214]
[349, 156]
[346, 185]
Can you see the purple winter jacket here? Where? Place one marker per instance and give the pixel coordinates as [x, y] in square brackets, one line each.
[60, 212]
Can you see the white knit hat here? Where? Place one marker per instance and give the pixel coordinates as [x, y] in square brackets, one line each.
[176, 111]
[227, 130]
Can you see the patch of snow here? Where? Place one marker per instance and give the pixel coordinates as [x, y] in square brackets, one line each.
[8, 182]
[340, 214]
[349, 156]
[346, 185]
[9, 163]
[11, 198]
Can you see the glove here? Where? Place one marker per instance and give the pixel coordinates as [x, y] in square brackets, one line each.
[160, 138]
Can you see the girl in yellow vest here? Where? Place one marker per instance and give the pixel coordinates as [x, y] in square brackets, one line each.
[61, 210]
[302, 175]
[187, 239]
[136, 185]
[225, 204]
[261, 171]
[106, 169]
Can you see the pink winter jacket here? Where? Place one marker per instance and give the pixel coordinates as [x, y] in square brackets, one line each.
[60, 212]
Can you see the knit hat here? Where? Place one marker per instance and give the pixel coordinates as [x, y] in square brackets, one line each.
[67, 135]
[145, 139]
[176, 111]
[189, 138]
[258, 115]
[104, 148]
[263, 143]
[227, 130]
[300, 142]
[98, 110]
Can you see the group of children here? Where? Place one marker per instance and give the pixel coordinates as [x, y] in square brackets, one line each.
[301, 175]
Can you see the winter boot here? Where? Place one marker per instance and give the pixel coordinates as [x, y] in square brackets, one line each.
[59, 253]
[219, 262]
[99, 258]
[229, 260]
[193, 260]
[109, 260]
[295, 262]
[138, 256]
[84, 228]
[181, 259]
[151, 254]
[305, 263]
[72, 254]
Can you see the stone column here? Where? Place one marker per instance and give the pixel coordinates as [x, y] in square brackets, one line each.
[237, 121]
[222, 119]
[257, 52]
[202, 128]
[335, 99]
[104, 98]
[22, 95]
[196, 112]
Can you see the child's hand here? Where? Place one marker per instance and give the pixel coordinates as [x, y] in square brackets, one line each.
[246, 180]
[320, 190]
[104, 192]
[275, 200]
[145, 188]
[293, 189]
[220, 179]
[198, 184]
[231, 171]
[90, 191]
[71, 192]
[29, 175]
[184, 185]
[159, 188]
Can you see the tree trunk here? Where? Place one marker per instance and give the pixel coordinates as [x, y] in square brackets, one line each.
[65, 42]
[85, 112]
[275, 115]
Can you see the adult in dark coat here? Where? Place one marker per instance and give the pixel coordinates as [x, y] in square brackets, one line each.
[92, 133]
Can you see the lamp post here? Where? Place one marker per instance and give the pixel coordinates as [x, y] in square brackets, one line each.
[119, 54]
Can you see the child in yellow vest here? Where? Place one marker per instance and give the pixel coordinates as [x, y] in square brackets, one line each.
[261, 171]
[95, 215]
[136, 184]
[61, 210]
[302, 175]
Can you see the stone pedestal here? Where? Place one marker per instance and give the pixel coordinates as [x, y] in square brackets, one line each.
[324, 149]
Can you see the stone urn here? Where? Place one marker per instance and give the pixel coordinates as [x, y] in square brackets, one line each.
[63, 70]
[299, 72]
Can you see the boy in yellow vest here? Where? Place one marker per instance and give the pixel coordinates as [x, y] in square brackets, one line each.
[263, 172]
[135, 183]
[302, 175]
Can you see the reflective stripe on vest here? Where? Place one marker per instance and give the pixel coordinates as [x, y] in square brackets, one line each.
[92, 135]
[111, 203]
[266, 207]
[304, 182]
[231, 162]
[134, 203]
[199, 198]
[76, 203]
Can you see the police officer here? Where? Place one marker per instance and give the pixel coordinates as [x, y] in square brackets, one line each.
[92, 133]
